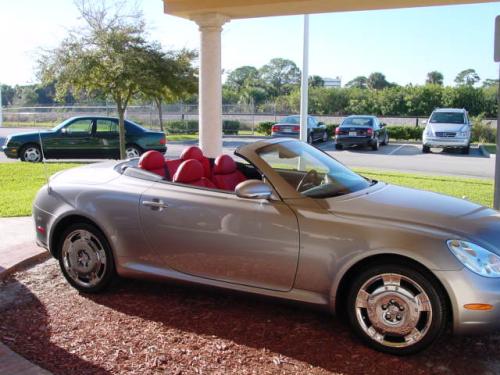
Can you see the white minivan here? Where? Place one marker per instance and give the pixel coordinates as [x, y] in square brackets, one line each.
[447, 128]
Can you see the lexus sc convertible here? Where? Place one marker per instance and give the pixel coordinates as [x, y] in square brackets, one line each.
[282, 219]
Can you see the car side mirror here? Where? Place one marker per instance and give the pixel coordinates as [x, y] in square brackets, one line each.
[253, 189]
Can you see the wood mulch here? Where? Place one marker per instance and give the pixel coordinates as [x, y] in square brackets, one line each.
[158, 328]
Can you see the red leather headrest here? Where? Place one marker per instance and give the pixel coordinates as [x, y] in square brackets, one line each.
[192, 152]
[152, 160]
[189, 171]
[224, 164]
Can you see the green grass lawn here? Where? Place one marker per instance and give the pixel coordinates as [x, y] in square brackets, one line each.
[29, 124]
[19, 183]
[182, 137]
[490, 147]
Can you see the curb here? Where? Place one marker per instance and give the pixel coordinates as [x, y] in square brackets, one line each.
[14, 364]
[485, 152]
[25, 263]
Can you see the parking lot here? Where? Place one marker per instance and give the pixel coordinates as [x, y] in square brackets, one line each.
[403, 157]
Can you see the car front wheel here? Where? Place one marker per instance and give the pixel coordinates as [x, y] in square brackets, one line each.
[31, 153]
[396, 309]
[85, 258]
[375, 144]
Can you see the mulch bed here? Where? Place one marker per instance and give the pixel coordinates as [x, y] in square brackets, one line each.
[151, 328]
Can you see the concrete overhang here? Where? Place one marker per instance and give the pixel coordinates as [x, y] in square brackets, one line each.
[235, 9]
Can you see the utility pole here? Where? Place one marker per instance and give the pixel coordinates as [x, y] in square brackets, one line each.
[496, 196]
[304, 87]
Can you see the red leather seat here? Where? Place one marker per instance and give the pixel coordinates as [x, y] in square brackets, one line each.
[173, 165]
[191, 172]
[153, 161]
[194, 152]
[226, 175]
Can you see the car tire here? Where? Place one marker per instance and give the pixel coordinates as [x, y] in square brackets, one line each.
[426, 149]
[310, 139]
[375, 146]
[339, 146]
[31, 153]
[85, 258]
[325, 136]
[466, 150]
[132, 151]
[397, 308]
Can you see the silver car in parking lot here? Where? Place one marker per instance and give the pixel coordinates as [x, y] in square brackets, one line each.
[399, 264]
[447, 128]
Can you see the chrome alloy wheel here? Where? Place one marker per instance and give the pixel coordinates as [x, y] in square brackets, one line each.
[393, 310]
[32, 154]
[132, 152]
[84, 258]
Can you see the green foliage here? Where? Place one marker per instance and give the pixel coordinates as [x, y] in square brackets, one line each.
[330, 129]
[405, 132]
[482, 131]
[192, 126]
[280, 74]
[434, 78]
[377, 81]
[264, 127]
[360, 82]
[230, 126]
[467, 77]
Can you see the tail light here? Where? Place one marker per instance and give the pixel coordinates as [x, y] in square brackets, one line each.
[163, 141]
[337, 130]
[369, 131]
[275, 128]
[296, 128]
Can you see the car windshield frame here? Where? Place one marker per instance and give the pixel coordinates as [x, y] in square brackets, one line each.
[294, 157]
[443, 117]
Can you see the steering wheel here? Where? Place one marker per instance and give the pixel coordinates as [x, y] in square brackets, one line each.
[309, 177]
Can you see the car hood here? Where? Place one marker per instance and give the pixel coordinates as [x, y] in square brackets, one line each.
[425, 211]
[89, 174]
[31, 135]
[447, 127]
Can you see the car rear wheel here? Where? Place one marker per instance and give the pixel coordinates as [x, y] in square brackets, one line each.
[132, 151]
[396, 309]
[85, 258]
[31, 153]
[339, 146]
[466, 150]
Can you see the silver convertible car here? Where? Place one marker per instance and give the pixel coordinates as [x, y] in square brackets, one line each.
[283, 220]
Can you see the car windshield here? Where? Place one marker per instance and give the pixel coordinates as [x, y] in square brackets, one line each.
[447, 118]
[357, 121]
[310, 171]
[290, 120]
[62, 124]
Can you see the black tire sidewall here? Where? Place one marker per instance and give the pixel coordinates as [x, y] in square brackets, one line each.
[110, 263]
[426, 282]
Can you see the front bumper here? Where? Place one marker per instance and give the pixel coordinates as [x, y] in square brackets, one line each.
[445, 142]
[10, 152]
[465, 287]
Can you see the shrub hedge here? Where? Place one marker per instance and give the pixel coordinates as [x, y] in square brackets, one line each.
[265, 127]
[192, 126]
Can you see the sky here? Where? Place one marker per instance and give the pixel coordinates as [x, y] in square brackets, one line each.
[403, 44]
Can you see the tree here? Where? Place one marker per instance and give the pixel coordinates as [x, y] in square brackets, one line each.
[108, 55]
[377, 81]
[360, 82]
[435, 78]
[8, 93]
[172, 76]
[467, 77]
[488, 82]
[280, 74]
[244, 75]
[316, 81]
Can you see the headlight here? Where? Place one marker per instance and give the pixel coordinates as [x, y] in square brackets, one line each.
[475, 258]
[428, 132]
[463, 134]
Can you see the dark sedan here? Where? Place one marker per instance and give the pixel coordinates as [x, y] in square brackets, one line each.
[83, 138]
[361, 131]
[290, 127]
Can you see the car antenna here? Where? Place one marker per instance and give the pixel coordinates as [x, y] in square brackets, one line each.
[43, 160]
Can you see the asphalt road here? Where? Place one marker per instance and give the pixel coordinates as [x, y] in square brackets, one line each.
[395, 156]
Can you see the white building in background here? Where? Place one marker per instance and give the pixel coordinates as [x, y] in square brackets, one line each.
[332, 82]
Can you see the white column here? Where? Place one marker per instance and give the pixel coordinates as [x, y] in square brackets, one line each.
[210, 83]
[304, 88]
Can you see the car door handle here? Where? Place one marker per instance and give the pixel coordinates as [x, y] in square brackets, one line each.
[155, 204]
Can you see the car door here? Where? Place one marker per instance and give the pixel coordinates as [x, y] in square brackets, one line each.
[74, 140]
[217, 235]
[106, 134]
